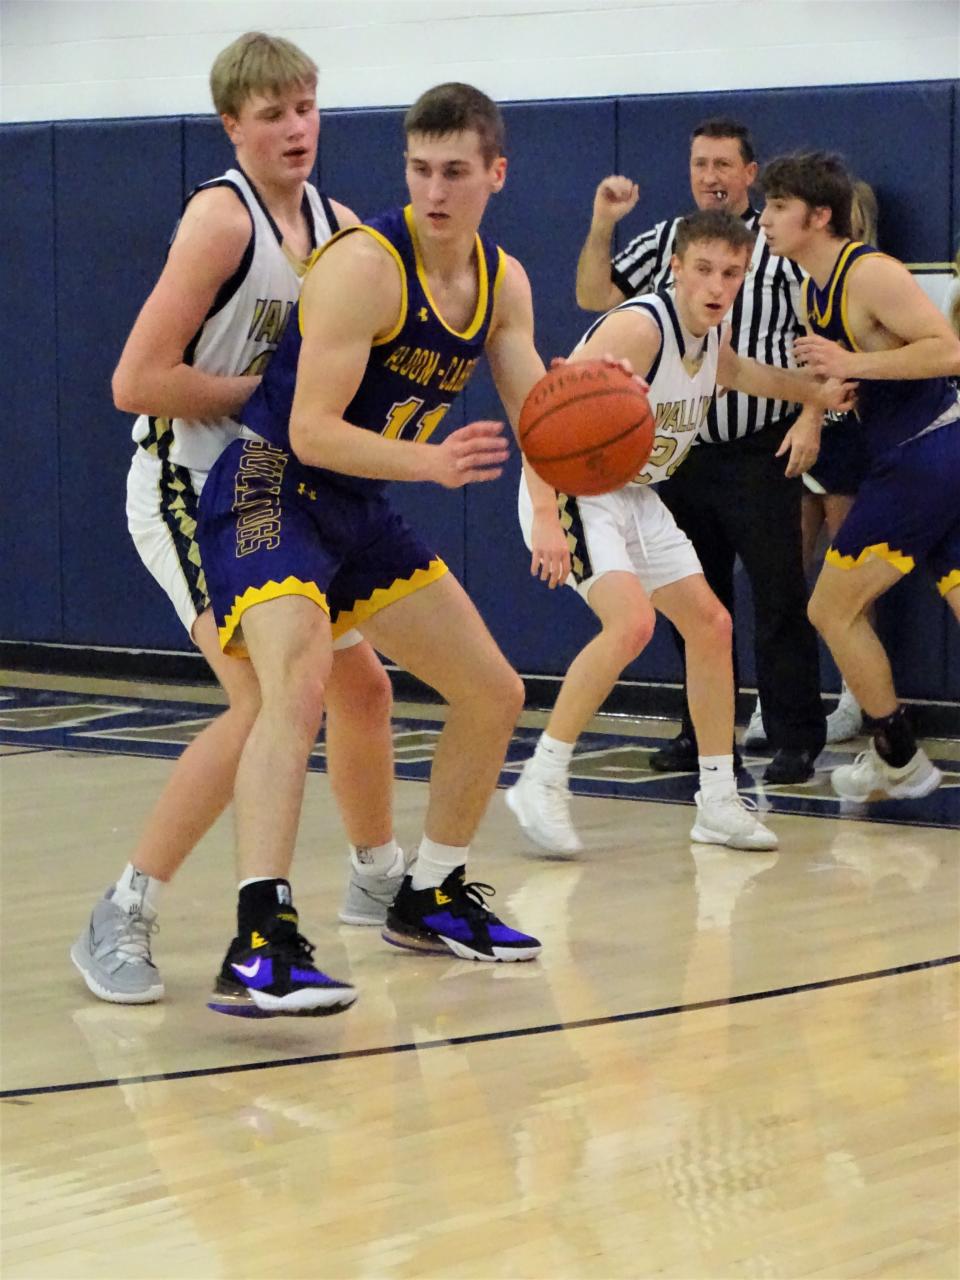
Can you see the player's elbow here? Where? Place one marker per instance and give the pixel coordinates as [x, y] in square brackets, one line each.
[311, 440]
[584, 296]
[592, 298]
[302, 444]
[125, 392]
[599, 298]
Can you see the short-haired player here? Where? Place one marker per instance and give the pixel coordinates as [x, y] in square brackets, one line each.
[393, 319]
[868, 319]
[631, 561]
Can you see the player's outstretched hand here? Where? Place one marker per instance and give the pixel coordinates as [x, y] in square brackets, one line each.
[615, 197]
[470, 454]
[615, 362]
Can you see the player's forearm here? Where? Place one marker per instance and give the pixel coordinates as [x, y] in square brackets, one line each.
[328, 441]
[594, 286]
[936, 357]
[543, 497]
[756, 379]
[181, 392]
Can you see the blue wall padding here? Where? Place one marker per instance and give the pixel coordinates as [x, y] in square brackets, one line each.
[30, 577]
[91, 206]
[361, 159]
[952, 176]
[206, 151]
[118, 190]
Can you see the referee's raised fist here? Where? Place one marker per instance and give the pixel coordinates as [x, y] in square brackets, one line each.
[615, 197]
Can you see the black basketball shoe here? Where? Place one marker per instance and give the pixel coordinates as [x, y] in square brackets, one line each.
[272, 975]
[453, 918]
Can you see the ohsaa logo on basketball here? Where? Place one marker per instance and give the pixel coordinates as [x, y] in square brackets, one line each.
[570, 377]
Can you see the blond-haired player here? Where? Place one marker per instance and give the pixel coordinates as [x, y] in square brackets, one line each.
[196, 352]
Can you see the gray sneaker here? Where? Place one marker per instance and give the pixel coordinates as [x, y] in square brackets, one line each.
[113, 955]
[368, 897]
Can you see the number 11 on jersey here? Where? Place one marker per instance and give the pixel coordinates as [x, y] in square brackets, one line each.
[402, 424]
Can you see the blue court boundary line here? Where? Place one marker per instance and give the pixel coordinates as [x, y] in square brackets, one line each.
[481, 1037]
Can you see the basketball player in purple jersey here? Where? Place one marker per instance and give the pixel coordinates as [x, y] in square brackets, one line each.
[867, 319]
[300, 541]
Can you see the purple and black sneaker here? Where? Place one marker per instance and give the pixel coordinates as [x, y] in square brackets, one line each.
[453, 918]
[273, 976]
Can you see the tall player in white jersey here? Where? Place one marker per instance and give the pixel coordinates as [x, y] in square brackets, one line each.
[203, 337]
[629, 558]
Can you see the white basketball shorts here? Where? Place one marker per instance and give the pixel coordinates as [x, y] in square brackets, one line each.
[628, 531]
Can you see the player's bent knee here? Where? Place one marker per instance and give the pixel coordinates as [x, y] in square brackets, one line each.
[831, 616]
[295, 693]
[718, 626]
[824, 613]
[505, 696]
[244, 705]
[631, 635]
[364, 693]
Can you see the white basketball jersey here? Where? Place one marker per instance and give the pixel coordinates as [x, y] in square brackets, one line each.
[683, 382]
[244, 326]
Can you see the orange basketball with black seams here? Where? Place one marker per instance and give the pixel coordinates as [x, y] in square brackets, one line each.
[586, 428]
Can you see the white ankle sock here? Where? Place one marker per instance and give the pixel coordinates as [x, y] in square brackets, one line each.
[376, 859]
[434, 862]
[716, 776]
[136, 891]
[552, 755]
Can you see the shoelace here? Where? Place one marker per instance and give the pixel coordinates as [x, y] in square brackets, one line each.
[743, 802]
[474, 892]
[557, 801]
[133, 938]
[293, 946]
[863, 762]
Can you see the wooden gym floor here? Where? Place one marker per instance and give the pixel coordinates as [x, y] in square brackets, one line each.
[724, 1064]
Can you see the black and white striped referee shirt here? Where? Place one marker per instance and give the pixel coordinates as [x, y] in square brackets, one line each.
[764, 318]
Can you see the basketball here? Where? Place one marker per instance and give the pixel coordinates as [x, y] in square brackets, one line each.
[586, 428]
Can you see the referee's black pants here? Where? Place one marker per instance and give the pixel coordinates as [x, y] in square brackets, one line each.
[733, 499]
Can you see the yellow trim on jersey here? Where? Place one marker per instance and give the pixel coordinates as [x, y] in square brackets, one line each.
[844, 320]
[483, 283]
[901, 562]
[501, 272]
[398, 590]
[300, 265]
[845, 253]
[258, 595]
[949, 583]
[381, 240]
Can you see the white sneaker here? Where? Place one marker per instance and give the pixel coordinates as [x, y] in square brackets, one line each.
[755, 735]
[846, 719]
[731, 821]
[871, 778]
[542, 807]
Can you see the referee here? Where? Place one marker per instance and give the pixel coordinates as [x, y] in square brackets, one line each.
[733, 496]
